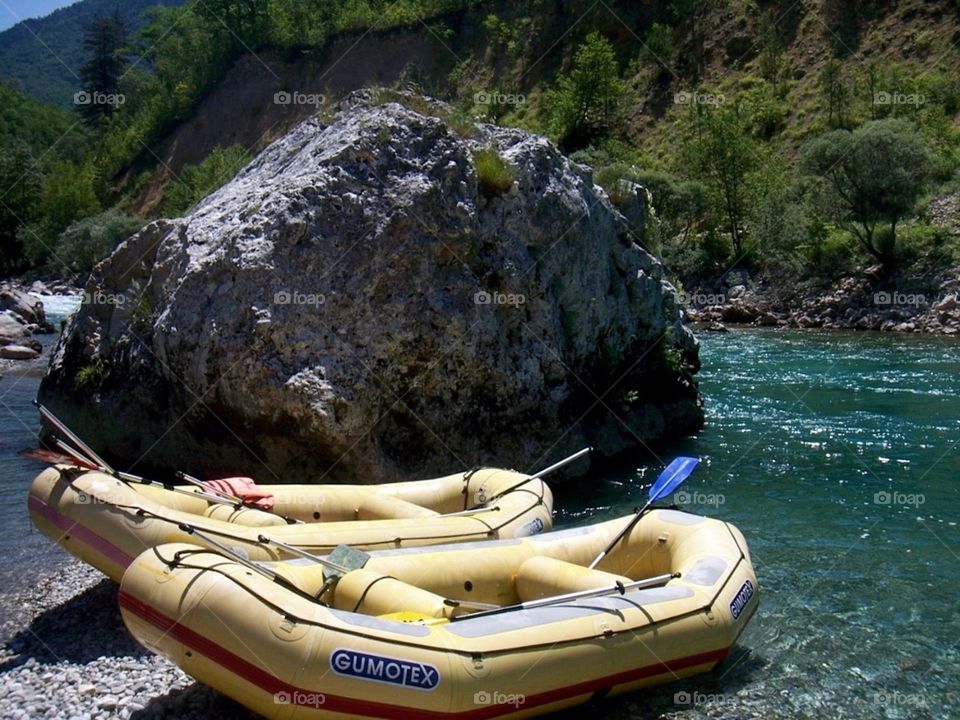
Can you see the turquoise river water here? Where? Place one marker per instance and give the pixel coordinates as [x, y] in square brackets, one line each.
[837, 456]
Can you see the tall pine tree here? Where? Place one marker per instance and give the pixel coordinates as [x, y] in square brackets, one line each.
[100, 76]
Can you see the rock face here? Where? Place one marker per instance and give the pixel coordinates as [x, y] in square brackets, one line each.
[356, 305]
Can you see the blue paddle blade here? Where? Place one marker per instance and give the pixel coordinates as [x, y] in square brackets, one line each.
[671, 478]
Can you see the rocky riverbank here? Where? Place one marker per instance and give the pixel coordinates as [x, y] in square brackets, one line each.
[66, 654]
[854, 304]
[23, 315]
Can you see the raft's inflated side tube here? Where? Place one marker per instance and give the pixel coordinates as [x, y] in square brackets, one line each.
[284, 655]
[107, 522]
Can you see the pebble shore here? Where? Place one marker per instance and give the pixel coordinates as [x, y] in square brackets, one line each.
[65, 654]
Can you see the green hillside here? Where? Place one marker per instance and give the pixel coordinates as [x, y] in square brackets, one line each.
[43, 56]
[796, 142]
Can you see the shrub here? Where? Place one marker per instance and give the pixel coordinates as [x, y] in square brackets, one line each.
[86, 242]
[494, 176]
[198, 181]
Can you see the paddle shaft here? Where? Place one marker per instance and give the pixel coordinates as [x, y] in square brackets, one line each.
[619, 588]
[620, 535]
[536, 476]
[199, 483]
[72, 437]
[294, 550]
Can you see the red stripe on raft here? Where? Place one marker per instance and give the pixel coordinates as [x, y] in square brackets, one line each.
[80, 532]
[335, 703]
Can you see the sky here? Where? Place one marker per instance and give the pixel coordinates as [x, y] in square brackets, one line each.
[13, 11]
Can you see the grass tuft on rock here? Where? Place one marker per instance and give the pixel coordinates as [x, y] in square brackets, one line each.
[494, 176]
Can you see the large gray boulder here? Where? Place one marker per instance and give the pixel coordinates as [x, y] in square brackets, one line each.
[354, 306]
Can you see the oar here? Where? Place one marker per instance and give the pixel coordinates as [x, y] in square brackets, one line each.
[72, 437]
[618, 589]
[536, 476]
[87, 458]
[237, 557]
[207, 488]
[300, 552]
[81, 460]
[670, 479]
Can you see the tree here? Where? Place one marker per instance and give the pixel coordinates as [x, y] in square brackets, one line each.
[657, 48]
[872, 177]
[244, 21]
[722, 154]
[834, 88]
[67, 194]
[585, 102]
[100, 76]
[19, 187]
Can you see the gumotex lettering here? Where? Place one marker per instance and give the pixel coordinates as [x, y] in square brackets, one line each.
[379, 668]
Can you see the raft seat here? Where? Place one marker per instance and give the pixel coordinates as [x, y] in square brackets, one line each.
[540, 577]
[373, 593]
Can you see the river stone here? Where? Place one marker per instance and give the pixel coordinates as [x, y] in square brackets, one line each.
[18, 352]
[12, 325]
[26, 306]
[355, 306]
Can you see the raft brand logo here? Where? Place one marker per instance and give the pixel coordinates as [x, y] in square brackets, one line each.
[295, 297]
[740, 600]
[379, 668]
[698, 498]
[299, 698]
[298, 98]
[899, 298]
[884, 497]
[498, 298]
[534, 527]
[483, 697]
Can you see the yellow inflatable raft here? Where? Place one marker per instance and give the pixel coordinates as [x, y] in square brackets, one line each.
[107, 521]
[513, 628]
